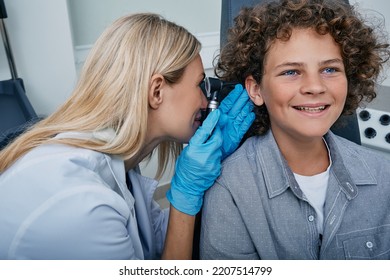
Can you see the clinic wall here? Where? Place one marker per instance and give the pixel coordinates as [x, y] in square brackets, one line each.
[89, 18]
[379, 9]
[41, 42]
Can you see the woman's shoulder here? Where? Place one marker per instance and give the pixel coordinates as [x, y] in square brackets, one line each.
[58, 172]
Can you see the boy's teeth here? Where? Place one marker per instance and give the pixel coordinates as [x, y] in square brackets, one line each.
[311, 109]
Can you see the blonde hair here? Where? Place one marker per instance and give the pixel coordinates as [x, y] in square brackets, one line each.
[113, 87]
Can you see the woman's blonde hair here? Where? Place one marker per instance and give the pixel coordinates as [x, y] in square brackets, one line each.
[112, 91]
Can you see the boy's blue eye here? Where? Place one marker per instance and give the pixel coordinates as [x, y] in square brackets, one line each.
[290, 72]
[329, 70]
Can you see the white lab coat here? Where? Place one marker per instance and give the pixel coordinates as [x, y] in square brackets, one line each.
[61, 202]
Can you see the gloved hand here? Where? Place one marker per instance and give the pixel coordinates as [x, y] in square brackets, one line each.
[197, 167]
[236, 118]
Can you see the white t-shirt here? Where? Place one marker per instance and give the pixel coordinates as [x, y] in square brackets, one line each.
[314, 187]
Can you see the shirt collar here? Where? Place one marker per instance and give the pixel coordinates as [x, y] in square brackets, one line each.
[349, 169]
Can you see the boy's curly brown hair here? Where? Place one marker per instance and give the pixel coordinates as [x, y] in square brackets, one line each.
[364, 47]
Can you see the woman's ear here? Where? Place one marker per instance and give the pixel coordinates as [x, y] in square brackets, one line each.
[254, 92]
[155, 97]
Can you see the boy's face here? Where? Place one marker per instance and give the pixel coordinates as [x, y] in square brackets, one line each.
[304, 85]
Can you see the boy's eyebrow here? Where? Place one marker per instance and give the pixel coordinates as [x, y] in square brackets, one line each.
[330, 61]
[298, 64]
[289, 64]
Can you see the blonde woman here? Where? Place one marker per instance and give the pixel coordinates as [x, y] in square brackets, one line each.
[70, 187]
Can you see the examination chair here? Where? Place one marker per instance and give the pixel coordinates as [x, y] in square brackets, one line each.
[16, 112]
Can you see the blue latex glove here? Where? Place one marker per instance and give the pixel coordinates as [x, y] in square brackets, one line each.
[236, 118]
[197, 167]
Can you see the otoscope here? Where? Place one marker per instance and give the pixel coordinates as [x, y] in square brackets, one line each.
[215, 91]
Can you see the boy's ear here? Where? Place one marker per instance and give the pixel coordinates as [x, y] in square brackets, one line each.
[254, 91]
[155, 96]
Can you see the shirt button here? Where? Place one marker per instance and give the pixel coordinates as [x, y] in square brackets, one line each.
[311, 218]
[369, 245]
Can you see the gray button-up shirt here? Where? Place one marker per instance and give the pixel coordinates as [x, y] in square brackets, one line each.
[256, 209]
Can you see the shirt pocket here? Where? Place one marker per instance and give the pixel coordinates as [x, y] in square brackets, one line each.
[368, 244]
